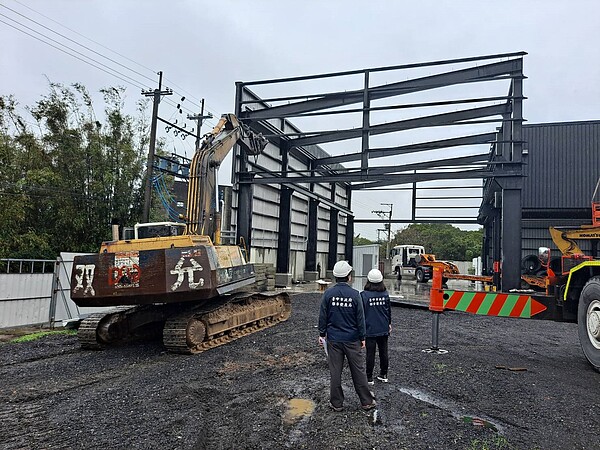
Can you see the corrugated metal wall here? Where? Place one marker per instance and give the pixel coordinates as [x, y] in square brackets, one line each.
[563, 164]
[562, 168]
[266, 203]
[25, 298]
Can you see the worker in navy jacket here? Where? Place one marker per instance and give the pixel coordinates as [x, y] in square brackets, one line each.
[378, 321]
[342, 331]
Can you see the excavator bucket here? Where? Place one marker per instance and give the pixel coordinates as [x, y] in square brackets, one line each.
[252, 143]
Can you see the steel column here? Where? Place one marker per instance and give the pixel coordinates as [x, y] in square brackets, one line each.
[349, 246]
[333, 232]
[285, 227]
[244, 211]
[511, 239]
[311, 243]
[496, 250]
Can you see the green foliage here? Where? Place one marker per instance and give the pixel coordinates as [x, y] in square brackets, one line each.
[358, 240]
[495, 443]
[445, 241]
[41, 334]
[63, 184]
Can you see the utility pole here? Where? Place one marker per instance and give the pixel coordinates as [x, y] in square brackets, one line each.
[387, 226]
[200, 118]
[157, 95]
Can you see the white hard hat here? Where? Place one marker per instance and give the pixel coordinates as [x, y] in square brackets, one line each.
[341, 269]
[375, 276]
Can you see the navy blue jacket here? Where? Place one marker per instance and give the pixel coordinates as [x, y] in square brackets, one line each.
[378, 312]
[341, 315]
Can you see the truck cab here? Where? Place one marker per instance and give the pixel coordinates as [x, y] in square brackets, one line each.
[404, 259]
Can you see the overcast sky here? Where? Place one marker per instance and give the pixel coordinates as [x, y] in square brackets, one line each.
[204, 47]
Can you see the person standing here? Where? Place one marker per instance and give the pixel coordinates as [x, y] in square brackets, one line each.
[378, 323]
[342, 330]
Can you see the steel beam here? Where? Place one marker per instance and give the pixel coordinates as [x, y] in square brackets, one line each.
[379, 180]
[485, 138]
[435, 120]
[337, 99]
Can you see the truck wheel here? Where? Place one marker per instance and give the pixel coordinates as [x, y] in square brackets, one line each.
[588, 321]
[420, 275]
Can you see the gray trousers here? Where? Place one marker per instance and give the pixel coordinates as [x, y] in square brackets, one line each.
[353, 352]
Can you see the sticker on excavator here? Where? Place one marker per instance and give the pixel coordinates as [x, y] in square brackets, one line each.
[125, 272]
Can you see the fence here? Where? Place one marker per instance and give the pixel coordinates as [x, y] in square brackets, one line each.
[37, 292]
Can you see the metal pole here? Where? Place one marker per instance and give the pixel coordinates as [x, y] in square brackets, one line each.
[156, 96]
[435, 329]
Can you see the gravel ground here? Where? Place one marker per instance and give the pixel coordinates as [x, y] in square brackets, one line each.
[257, 392]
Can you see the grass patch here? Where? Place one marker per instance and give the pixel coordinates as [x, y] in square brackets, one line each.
[496, 443]
[41, 334]
[440, 368]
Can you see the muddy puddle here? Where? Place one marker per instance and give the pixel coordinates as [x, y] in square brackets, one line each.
[298, 408]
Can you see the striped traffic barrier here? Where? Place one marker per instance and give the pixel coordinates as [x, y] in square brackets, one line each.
[499, 304]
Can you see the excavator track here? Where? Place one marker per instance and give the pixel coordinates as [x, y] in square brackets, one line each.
[90, 328]
[229, 319]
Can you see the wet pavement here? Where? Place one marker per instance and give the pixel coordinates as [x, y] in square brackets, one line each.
[401, 292]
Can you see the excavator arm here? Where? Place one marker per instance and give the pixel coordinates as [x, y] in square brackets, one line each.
[565, 239]
[202, 216]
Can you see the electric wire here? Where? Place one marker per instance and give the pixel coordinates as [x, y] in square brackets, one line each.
[168, 80]
[131, 81]
[85, 37]
[75, 42]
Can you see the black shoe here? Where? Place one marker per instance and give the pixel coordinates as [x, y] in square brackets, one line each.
[371, 406]
[382, 378]
[335, 408]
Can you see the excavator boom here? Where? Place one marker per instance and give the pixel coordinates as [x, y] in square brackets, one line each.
[202, 208]
[565, 240]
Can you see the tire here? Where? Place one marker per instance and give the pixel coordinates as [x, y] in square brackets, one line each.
[588, 321]
[530, 264]
[420, 275]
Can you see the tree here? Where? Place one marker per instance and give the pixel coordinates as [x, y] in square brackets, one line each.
[63, 185]
[443, 240]
[359, 240]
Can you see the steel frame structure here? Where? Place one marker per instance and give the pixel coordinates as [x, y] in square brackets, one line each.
[500, 164]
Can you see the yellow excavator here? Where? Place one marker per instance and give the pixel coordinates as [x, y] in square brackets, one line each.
[565, 239]
[176, 277]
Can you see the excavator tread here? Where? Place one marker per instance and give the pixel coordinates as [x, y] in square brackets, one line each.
[87, 332]
[176, 337]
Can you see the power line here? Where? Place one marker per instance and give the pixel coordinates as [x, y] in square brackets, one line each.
[75, 42]
[106, 69]
[85, 37]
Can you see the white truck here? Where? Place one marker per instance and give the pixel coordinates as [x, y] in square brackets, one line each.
[404, 259]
